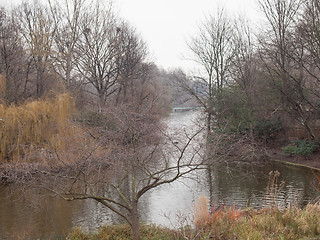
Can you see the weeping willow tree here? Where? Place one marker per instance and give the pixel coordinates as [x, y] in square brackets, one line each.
[34, 127]
[2, 87]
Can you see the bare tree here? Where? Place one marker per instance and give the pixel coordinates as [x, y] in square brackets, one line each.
[243, 70]
[213, 50]
[283, 56]
[14, 62]
[132, 157]
[67, 17]
[37, 32]
[309, 33]
[97, 54]
[132, 52]
[306, 55]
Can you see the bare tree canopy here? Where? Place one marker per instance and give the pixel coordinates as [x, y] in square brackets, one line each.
[130, 158]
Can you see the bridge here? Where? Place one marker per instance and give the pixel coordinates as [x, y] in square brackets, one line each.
[184, 109]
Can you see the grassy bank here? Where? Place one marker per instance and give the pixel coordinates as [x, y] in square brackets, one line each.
[118, 232]
[227, 223]
[311, 162]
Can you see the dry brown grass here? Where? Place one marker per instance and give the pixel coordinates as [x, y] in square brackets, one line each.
[201, 212]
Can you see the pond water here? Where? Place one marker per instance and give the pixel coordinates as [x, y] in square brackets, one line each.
[29, 216]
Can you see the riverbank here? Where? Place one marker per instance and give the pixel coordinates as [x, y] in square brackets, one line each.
[227, 223]
[312, 162]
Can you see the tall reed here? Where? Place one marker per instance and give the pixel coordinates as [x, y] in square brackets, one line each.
[201, 212]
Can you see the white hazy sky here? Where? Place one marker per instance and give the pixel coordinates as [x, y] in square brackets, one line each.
[166, 25]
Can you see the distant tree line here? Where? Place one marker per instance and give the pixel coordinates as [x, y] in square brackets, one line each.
[80, 47]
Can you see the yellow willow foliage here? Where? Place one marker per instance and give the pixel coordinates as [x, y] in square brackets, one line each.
[2, 85]
[36, 125]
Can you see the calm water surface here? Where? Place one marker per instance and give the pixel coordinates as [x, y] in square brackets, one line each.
[28, 215]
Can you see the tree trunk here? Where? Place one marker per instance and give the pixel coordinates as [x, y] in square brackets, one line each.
[102, 101]
[210, 183]
[310, 131]
[135, 227]
[68, 70]
[209, 118]
[40, 79]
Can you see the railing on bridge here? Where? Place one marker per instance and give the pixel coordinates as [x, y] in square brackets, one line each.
[184, 109]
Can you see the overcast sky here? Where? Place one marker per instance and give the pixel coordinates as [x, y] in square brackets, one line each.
[166, 25]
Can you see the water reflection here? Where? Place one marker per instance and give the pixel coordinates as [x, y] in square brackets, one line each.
[232, 185]
[25, 214]
[225, 185]
[243, 186]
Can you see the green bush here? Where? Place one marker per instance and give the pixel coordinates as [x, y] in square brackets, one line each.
[268, 128]
[301, 147]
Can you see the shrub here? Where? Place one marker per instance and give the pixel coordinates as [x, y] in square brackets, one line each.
[268, 128]
[78, 234]
[301, 147]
